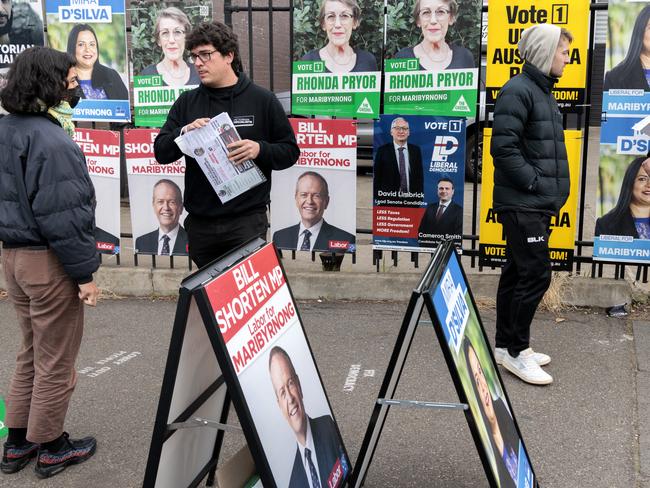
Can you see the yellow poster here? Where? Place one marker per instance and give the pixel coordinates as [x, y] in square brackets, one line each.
[492, 248]
[506, 21]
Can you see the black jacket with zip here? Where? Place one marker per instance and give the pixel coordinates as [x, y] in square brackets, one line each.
[257, 115]
[531, 170]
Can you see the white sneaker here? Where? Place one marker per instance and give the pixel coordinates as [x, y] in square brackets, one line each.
[526, 368]
[540, 358]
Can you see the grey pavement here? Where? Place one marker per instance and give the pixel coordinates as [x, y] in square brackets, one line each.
[590, 428]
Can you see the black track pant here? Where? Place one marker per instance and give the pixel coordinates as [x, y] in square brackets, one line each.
[524, 278]
[209, 239]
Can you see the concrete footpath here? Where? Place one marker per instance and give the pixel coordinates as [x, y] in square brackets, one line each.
[590, 428]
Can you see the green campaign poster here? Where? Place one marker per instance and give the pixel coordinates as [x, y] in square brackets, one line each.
[337, 58]
[162, 71]
[433, 52]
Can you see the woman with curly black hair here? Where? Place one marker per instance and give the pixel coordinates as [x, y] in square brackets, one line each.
[47, 224]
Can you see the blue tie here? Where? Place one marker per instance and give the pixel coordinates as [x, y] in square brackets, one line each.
[306, 243]
[312, 469]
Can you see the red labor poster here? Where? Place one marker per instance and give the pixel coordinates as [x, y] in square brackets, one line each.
[102, 151]
[267, 348]
[313, 202]
[156, 197]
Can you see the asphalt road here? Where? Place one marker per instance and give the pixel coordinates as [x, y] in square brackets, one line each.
[582, 431]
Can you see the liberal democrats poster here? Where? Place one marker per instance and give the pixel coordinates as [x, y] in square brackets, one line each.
[467, 351]
[418, 182]
[94, 32]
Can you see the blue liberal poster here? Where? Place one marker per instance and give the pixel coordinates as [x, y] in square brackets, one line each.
[94, 32]
[622, 230]
[500, 440]
[419, 168]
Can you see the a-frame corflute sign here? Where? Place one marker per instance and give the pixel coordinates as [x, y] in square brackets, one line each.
[445, 294]
[263, 362]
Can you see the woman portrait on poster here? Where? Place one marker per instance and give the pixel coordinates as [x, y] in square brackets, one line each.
[497, 419]
[634, 71]
[631, 215]
[97, 81]
[338, 19]
[434, 17]
[169, 33]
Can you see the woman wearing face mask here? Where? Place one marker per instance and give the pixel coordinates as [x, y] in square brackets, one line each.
[47, 224]
[634, 71]
[338, 19]
[631, 215]
[171, 26]
[434, 17]
[97, 81]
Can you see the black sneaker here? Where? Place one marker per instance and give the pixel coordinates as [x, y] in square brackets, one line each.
[15, 458]
[74, 451]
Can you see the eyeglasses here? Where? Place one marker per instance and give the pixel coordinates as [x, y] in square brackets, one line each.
[344, 18]
[440, 14]
[204, 56]
[401, 128]
[176, 33]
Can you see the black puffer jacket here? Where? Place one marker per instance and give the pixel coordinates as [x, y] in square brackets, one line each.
[531, 171]
[46, 196]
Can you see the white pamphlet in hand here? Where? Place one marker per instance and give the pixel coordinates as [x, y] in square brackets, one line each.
[207, 146]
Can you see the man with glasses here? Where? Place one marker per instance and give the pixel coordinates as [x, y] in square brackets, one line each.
[215, 228]
[398, 164]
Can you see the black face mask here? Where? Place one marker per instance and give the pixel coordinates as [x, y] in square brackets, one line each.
[73, 95]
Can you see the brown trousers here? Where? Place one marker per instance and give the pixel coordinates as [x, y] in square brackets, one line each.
[50, 316]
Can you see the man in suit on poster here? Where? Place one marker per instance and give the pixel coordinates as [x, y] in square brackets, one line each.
[170, 238]
[398, 164]
[319, 450]
[443, 218]
[313, 233]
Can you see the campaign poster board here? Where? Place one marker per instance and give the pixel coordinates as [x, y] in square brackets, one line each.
[337, 49]
[94, 32]
[472, 366]
[4, 430]
[160, 63]
[409, 220]
[507, 20]
[153, 211]
[22, 29]
[271, 373]
[432, 57]
[622, 229]
[193, 387]
[102, 151]
[322, 184]
[492, 244]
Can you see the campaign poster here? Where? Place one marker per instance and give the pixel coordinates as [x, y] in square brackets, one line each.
[492, 244]
[337, 47]
[509, 18]
[268, 350]
[102, 151]
[473, 367]
[433, 51]
[313, 203]
[21, 27]
[155, 196]
[161, 67]
[94, 32]
[622, 229]
[418, 182]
